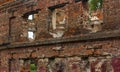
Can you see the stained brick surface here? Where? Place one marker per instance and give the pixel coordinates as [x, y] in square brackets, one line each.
[65, 56]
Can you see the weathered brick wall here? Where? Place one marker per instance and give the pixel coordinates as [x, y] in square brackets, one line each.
[74, 11]
[111, 14]
[69, 56]
[42, 24]
[4, 28]
[75, 19]
[65, 57]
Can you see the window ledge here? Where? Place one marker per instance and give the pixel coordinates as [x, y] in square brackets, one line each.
[88, 37]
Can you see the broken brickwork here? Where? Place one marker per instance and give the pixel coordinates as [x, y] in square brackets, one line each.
[54, 36]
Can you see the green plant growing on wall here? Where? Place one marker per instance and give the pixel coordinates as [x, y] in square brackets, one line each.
[95, 4]
[33, 68]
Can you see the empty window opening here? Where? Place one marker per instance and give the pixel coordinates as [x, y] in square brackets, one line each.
[31, 17]
[57, 15]
[58, 20]
[30, 25]
[30, 34]
[93, 8]
[94, 11]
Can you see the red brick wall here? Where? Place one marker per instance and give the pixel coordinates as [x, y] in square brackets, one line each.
[103, 51]
[111, 14]
[4, 28]
[55, 57]
[74, 11]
